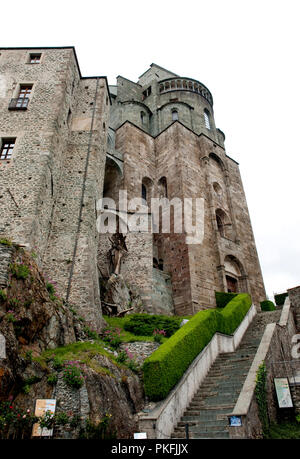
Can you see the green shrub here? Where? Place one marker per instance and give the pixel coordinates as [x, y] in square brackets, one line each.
[122, 357]
[234, 312]
[6, 242]
[261, 397]
[163, 369]
[98, 431]
[92, 334]
[28, 356]
[19, 270]
[52, 379]
[267, 305]
[61, 419]
[50, 287]
[111, 336]
[57, 364]
[280, 298]
[3, 296]
[223, 298]
[72, 374]
[145, 324]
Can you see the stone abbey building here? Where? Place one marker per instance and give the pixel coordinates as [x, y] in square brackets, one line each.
[67, 141]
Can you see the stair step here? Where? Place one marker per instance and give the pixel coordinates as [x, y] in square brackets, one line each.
[205, 422]
[207, 414]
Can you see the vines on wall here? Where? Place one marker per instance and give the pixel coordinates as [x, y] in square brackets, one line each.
[261, 397]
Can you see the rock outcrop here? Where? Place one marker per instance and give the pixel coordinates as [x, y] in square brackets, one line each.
[34, 321]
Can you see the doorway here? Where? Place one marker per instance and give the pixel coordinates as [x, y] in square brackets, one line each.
[232, 284]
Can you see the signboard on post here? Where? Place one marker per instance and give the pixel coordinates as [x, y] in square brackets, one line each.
[283, 393]
[41, 408]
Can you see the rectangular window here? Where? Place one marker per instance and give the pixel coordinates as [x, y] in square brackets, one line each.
[35, 58]
[7, 148]
[25, 91]
[146, 93]
[206, 119]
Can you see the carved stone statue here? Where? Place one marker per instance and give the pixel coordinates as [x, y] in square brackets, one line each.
[116, 252]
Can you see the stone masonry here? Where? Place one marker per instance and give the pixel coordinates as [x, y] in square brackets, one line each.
[75, 140]
[163, 129]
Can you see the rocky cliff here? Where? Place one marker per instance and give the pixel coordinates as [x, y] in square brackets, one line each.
[44, 340]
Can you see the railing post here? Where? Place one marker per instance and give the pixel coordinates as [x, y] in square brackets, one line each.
[187, 431]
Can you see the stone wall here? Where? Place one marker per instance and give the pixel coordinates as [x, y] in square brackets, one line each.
[294, 296]
[5, 260]
[162, 301]
[275, 351]
[41, 186]
[50, 188]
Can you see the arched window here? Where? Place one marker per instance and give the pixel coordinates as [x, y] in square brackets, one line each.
[207, 119]
[223, 223]
[220, 225]
[155, 263]
[147, 187]
[143, 117]
[235, 274]
[163, 188]
[174, 115]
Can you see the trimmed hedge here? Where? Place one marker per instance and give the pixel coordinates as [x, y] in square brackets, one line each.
[164, 368]
[145, 324]
[267, 305]
[280, 298]
[223, 298]
[234, 312]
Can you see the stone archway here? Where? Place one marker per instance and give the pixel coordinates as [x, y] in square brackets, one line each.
[112, 180]
[236, 278]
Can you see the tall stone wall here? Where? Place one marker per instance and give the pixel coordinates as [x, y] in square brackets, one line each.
[49, 190]
[29, 178]
[42, 185]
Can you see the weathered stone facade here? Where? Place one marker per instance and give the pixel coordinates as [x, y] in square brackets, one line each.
[163, 130]
[50, 186]
[77, 140]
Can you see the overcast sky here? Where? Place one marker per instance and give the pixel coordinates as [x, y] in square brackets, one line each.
[247, 54]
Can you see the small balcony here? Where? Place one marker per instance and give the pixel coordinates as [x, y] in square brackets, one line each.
[20, 103]
[185, 84]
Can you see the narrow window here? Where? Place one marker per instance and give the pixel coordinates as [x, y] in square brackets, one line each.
[142, 117]
[174, 115]
[7, 148]
[144, 192]
[35, 58]
[220, 225]
[162, 187]
[207, 119]
[146, 93]
[69, 118]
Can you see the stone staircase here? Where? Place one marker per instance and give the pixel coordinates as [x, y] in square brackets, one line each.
[207, 413]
